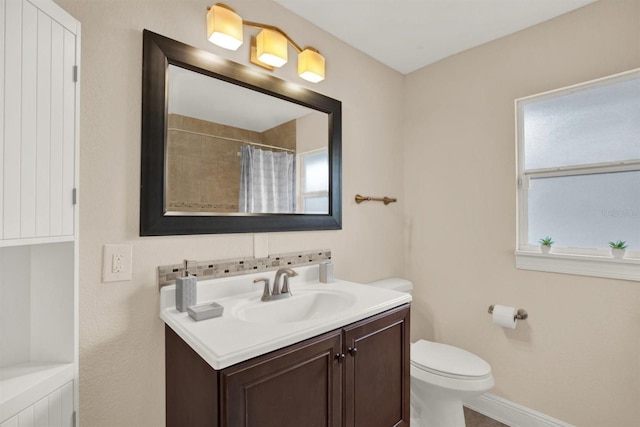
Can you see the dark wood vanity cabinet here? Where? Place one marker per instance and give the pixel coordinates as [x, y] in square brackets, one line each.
[296, 386]
[356, 376]
[376, 371]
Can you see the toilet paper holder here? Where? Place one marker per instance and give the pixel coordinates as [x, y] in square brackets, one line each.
[520, 315]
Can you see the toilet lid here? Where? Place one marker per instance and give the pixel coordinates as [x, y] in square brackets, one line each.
[448, 360]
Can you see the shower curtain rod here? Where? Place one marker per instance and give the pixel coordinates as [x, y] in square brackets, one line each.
[244, 141]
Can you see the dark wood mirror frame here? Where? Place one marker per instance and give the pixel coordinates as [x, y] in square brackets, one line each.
[158, 53]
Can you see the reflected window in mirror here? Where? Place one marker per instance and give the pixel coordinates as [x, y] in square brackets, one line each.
[314, 181]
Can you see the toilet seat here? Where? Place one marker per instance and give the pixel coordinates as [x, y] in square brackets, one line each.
[448, 361]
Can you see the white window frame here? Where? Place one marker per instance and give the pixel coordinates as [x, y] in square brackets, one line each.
[581, 261]
[301, 194]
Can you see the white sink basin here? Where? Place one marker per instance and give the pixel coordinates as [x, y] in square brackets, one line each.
[304, 305]
[249, 327]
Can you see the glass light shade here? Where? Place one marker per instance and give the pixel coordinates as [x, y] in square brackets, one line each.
[271, 48]
[224, 27]
[311, 66]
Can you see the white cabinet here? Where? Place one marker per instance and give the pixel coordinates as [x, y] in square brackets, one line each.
[38, 121]
[55, 409]
[39, 106]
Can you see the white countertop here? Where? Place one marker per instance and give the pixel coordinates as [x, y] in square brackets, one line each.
[226, 340]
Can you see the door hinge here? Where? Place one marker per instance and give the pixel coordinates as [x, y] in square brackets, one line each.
[73, 419]
[74, 196]
[75, 73]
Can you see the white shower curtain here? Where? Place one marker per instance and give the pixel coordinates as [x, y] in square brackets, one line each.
[267, 181]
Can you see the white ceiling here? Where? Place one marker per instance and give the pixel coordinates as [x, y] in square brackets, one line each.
[196, 95]
[409, 34]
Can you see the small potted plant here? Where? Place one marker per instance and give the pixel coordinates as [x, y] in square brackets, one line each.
[545, 244]
[617, 248]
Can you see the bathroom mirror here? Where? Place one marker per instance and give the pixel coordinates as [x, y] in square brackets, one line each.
[229, 149]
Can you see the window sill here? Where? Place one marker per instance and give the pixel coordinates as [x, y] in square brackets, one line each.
[584, 265]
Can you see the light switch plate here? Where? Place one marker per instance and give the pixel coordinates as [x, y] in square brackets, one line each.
[116, 263]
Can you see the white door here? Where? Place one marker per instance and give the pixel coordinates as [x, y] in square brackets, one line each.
[38, 121]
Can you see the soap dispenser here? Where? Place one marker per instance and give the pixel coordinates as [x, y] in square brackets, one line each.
[186, 289]
[326, 272]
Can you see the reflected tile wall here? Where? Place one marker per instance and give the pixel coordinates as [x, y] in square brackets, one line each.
[204, 171]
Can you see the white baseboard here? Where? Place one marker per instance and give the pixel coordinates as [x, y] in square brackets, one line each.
[510, 413]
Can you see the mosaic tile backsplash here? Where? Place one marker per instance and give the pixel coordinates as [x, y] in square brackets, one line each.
[235, 267]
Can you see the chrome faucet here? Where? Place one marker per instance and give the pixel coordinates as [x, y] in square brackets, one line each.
[277, 292]
[266, 294]
[285, 290]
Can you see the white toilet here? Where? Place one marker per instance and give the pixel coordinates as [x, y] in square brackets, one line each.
[442, 376]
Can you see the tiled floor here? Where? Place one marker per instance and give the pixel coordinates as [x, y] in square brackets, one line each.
[474, 419]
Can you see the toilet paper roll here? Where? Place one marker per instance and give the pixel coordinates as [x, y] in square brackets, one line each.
[505, 316]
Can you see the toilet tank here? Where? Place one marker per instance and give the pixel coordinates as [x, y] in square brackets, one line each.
[394, 283]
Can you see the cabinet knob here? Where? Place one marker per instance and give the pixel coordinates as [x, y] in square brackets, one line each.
[353, 351]
[340, 357]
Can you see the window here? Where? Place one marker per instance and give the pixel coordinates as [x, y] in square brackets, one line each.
[314, 179]
[579, 177]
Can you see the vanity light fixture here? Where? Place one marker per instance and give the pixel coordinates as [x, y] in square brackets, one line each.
[224, 28]
[311, 65]
[271, 48]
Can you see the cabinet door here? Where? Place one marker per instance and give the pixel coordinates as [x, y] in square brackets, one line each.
[377, 375]
[38, 120]
[294, 387]
[55, 409]
[191, 385]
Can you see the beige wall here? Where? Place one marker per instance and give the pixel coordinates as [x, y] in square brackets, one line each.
[577, 357]
[121, 335]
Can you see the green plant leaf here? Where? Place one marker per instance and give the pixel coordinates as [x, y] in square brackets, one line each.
[618, 244]
[546, 241]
